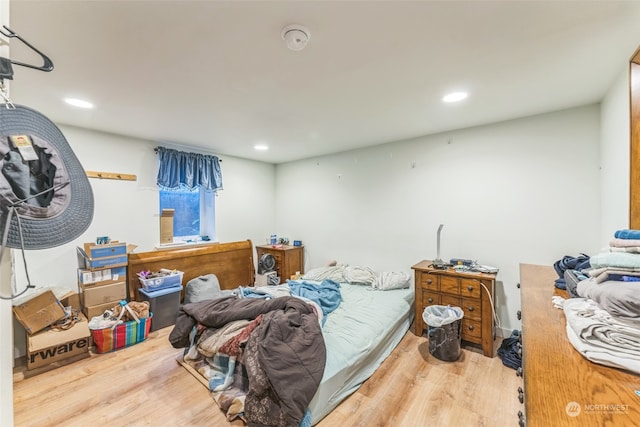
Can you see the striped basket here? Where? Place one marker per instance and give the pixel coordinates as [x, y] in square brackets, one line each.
[122, 335]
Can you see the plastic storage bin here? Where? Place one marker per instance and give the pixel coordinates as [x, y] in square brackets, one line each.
[162, 282]
[164, 304]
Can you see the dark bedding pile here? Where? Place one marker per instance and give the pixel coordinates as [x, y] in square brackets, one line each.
[275, 361]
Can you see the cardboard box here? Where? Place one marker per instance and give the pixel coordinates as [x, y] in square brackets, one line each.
[102, 294]
[39, 312]
[72, 299]
[51, 345]
[102, 276]
[166, 225]
[104, 251]
[98, 310]
[85, 261]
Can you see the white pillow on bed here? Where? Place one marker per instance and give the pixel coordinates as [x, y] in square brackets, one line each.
[335, 273]
[359, 275]
[388, 280]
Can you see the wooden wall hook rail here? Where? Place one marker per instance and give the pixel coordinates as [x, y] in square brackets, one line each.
[111, 175]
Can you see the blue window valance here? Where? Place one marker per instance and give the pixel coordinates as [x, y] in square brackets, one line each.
[191, 171]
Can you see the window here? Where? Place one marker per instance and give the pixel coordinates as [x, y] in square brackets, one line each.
[187, 184]
[194, 217]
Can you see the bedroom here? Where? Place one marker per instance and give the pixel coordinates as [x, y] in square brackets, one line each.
[380, 206]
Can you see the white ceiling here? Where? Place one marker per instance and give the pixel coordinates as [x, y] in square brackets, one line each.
[216, 75]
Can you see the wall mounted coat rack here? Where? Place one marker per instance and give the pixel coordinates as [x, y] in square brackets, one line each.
[112, 175]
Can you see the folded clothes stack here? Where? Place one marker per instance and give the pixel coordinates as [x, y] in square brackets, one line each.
[603, 323]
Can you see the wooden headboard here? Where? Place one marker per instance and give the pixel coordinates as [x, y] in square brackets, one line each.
[231, 262]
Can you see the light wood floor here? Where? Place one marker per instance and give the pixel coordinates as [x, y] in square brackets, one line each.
[144, 385]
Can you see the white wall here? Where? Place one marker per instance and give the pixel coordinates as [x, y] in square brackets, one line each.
[522, 191]
[128, 210]
[614, 158]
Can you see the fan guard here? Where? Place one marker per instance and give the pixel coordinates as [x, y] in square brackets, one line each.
[266, 264]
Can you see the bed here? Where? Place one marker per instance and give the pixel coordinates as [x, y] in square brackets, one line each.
[357, 335]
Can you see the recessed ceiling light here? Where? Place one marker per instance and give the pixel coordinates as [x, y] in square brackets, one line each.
[260, 147]
[455, 97]
[78, 103]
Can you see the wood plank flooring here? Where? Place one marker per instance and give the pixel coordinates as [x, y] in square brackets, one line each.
[144, 385]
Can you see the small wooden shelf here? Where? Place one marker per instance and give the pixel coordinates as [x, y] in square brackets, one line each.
[111, 175]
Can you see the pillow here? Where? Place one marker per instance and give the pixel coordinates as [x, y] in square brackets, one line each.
[335, 273]
[359, 275]
[391, 280]
[202, 288]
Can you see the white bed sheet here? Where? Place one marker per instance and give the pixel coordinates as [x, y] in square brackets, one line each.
[359, 335]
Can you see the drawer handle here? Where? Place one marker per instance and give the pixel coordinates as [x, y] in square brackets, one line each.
[471, 328]
[519, 371]
[430, 299]
[470, 288]
[470, 308]
[518, 285]
[429, 281]
[520, 395]
[519, 315]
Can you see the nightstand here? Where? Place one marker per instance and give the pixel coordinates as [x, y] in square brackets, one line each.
[473, 292]
[289, 259]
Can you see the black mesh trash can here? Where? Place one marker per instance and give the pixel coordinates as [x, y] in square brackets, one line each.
[444, 325]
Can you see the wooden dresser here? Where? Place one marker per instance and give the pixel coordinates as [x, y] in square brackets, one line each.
[561, 387]
[460, 289]
[289, 259]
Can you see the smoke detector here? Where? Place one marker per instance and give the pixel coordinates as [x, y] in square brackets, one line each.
[295, 36]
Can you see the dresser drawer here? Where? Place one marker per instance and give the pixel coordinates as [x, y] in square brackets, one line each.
[471, 330]
[429, 282]
[471, 308]
[277, 256]
[429, 298]
[450, 300]
[470, 288]
[450, 285]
